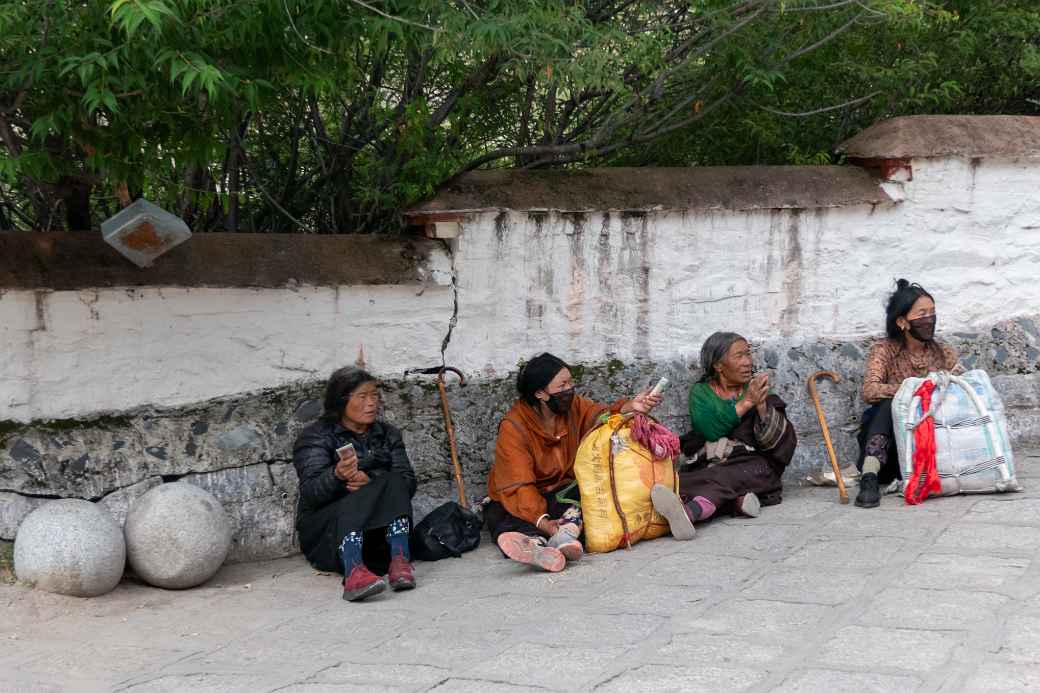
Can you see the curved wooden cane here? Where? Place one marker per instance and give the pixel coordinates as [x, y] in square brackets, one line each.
[843, 494]
[449, 427]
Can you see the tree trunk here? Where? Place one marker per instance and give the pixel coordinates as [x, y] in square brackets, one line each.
[75, 194]
[233, 173]
[524, 138]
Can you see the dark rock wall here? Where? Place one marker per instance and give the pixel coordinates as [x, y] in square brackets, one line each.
[240, 448]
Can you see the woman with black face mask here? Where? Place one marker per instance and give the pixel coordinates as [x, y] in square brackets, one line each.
[909, 351]
[533, 516]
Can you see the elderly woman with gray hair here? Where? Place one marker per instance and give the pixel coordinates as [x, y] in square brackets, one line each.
[740, 442]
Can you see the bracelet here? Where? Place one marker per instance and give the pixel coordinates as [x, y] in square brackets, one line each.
[538, 522]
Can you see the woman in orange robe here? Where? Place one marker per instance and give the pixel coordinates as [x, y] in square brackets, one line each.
[533, 515]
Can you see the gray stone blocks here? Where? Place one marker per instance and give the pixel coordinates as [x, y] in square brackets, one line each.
[239, 448]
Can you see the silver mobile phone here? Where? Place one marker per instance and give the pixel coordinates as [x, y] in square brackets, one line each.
[660, 387]
[349, 447]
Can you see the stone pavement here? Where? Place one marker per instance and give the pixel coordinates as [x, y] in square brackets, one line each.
[811, 596]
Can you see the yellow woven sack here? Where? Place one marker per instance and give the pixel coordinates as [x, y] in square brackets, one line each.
[615, 475]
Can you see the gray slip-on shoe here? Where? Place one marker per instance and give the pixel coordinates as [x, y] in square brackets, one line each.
[749, 505]
[671, 507]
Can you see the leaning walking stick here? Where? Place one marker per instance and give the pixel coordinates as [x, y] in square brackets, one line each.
[448, 427]
[826, 431]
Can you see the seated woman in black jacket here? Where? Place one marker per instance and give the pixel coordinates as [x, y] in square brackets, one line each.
[355, 477]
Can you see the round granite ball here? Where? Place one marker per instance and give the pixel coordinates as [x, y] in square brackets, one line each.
[70, 547]
[177, 536]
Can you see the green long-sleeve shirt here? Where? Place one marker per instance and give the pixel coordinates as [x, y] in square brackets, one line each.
[710, 415]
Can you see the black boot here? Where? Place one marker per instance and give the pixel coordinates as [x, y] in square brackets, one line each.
[869, 496]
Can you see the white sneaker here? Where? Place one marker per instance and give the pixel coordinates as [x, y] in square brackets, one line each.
[749, 505]
[671, 507]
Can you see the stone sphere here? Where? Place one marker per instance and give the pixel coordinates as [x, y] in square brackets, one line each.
[70, 547]
[177, 536]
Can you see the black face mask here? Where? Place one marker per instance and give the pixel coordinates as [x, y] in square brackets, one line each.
[923, 329]
[560, 402]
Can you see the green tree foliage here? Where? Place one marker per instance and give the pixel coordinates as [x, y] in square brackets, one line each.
[958, 56]
[332, 115]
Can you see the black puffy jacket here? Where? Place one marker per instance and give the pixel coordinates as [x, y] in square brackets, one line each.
[379, 450]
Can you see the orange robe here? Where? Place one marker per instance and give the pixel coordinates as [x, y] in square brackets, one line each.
[530, 461]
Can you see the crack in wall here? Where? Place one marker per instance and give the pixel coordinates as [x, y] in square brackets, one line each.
[166, 478]
[454, 321]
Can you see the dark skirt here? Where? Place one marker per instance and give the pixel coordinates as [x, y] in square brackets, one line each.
[499, 520]
[877, 420]
[746, 471]
[723, 484]
[369, 509]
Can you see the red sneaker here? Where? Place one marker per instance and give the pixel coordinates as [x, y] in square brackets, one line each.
[401, 575]
[531, 550]
[362, 583]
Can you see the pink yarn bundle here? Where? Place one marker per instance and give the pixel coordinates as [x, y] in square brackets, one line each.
[660, 441]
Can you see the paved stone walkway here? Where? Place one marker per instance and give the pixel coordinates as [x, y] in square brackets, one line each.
[811, 596]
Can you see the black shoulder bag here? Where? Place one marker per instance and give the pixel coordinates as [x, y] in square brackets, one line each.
[449, 530]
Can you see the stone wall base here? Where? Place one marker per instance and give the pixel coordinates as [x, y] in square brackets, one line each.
[240, 448]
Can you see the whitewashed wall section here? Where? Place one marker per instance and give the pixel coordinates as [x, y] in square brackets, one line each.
[614, 285]
[591, 287]
[70, 354]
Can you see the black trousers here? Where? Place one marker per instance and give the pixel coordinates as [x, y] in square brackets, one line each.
[498, 519]
[877, 421]
[369, 509]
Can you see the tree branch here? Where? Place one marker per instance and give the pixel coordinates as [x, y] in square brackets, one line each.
[820, 8]
[285, 3]
[396, 19]
[822, 42]
[19, 99]
[9, 137]
[805, 114]
[263, 190]
[484, 74]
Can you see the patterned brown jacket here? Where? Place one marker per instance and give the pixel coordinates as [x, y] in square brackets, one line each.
[890, 363]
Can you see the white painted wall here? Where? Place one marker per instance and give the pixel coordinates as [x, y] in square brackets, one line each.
[589, 288]
[606, 286]
[72, 353]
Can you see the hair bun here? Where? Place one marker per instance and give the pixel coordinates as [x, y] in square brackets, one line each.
[901, 284]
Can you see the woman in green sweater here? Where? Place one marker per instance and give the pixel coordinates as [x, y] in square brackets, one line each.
[739, 445]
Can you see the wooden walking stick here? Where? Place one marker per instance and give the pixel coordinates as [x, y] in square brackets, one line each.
[844, 495]
[448, 427]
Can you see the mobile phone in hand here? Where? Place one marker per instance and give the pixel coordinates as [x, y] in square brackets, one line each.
[346, 450]
[660, 387]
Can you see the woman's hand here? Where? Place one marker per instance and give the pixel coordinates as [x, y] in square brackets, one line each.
[549, 527]
[357, 480]
[346, 466]
[758, 392]
[644, 402]
[758, 389]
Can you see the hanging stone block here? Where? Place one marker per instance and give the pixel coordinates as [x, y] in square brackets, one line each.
[143, 232]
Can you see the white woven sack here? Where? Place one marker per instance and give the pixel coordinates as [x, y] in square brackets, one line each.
[973, 451]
